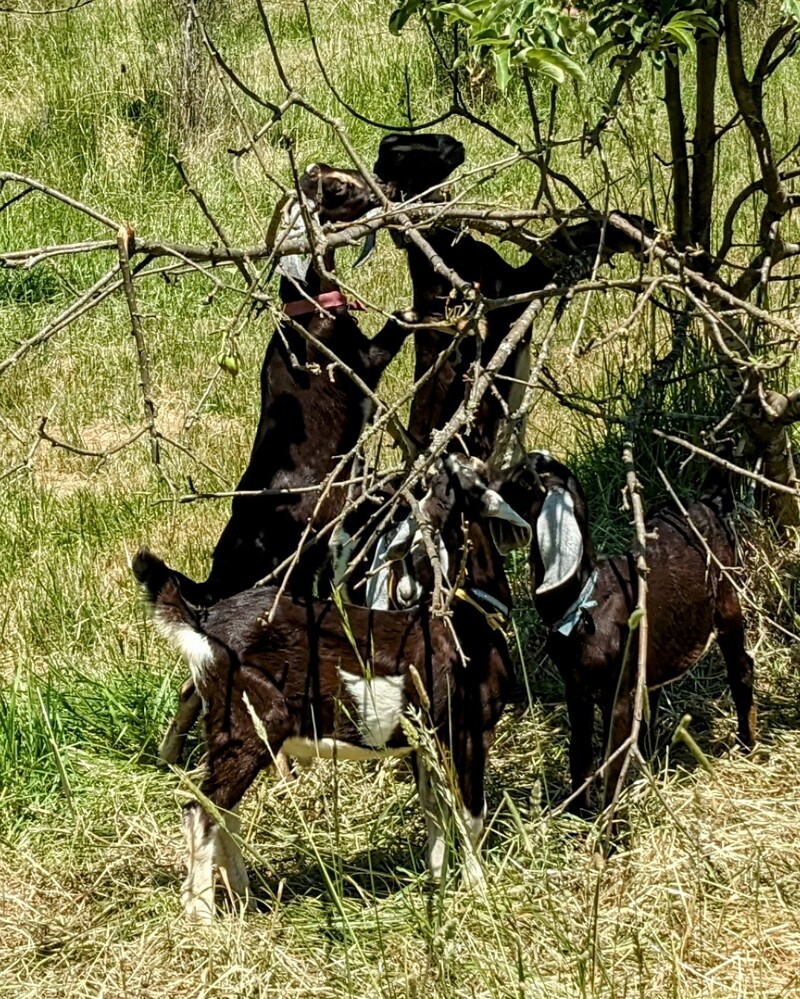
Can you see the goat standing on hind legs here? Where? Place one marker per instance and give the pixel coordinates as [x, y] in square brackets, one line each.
[407, 164]
[325, 681]
[587, 602]
[312, 412]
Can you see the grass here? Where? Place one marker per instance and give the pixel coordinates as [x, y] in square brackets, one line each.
[699, 900]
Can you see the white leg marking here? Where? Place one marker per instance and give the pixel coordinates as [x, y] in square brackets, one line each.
[434, 820]
[198, 888]
[379, 703]
[231, 864]
[473, 827]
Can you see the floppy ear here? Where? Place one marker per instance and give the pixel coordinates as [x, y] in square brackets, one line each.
[291, 226]
[398, 543]
[559, 537]
[390, 548]
[507, 528]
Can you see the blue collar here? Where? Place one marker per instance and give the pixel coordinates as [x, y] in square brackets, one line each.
[567, 624]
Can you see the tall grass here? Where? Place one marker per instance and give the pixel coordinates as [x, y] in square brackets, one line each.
[701, 898]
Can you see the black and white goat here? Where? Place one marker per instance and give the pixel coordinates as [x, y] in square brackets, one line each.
[312, 412]
[321, 680]
[586, 603]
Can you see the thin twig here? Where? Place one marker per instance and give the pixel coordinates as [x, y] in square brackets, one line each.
[124, 235]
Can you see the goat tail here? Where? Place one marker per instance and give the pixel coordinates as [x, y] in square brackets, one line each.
[175, 619]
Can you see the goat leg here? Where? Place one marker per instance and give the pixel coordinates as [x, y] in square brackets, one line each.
[200, 835]
[581, 723]
[231, 865]
[435, 820]
[189, 706]
[740, 679]
[470, 761]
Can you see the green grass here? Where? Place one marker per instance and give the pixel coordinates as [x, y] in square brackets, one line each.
[701, 898]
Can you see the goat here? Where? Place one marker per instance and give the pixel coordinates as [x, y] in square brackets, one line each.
[408, 166]
[323, 680]
[312, 412]
[587, 602]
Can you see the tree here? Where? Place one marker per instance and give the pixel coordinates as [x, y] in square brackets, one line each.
[685, 41]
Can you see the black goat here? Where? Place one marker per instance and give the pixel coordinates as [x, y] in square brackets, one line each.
[312, 412]
[407, 164]
[321, 680]
[587, 602]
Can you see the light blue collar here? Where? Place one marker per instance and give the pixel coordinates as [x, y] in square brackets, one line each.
[492, 601]
[570, 620]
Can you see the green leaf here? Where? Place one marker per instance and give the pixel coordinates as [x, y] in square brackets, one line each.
[502, 68]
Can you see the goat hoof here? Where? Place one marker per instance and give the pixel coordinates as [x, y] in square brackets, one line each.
[474, 876]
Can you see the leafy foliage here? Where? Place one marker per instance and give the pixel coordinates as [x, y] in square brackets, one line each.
[546, 37]
[513, 34]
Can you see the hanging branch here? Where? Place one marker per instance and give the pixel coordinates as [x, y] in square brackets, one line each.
[124, 236]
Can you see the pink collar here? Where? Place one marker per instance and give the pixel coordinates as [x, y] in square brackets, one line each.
[327, 300]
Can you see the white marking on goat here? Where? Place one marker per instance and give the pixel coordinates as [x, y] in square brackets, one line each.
[192, 645]
[391, 547]
[409, 591]
[230, 863]
[473, 825]
[435, 821]
[329, 749]
[198, 888]
[379, 702]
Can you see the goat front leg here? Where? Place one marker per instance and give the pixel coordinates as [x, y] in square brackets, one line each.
[189, 706]
[739, 664]
[435, 821]
[471, 768]
[581, 723]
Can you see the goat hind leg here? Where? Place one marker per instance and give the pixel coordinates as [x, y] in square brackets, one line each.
[740, 679]
[230, 863]
[200, 836]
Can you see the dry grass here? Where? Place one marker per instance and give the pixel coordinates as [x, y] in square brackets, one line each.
[700, 897]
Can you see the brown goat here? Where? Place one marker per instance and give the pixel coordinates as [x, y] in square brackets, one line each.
[587, 602]
[322, 680]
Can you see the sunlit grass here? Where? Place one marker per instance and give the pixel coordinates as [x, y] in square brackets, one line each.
[701, 898]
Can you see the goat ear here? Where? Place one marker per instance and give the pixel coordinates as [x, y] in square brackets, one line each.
[507, 528]
[559, 537]
[291, 225]
[398, 544]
